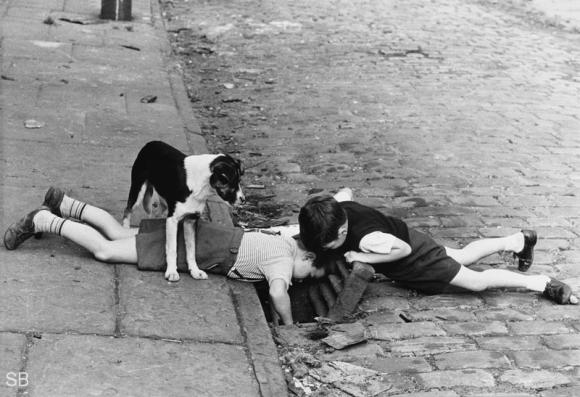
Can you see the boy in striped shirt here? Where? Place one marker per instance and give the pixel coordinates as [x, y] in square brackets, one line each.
[244, 255]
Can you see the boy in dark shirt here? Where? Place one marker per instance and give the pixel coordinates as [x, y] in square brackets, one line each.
[337, 225]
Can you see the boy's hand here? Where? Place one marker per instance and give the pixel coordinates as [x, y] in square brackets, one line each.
[353, 256]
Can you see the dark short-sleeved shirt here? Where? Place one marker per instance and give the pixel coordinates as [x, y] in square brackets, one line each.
[427, 268]
[363, 220]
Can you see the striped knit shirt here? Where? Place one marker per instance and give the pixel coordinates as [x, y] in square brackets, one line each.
[264, 256]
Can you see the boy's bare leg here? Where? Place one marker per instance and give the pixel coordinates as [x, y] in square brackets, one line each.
[479, 249]
[499, 278]
[120, 250]
[42, 220]
[106, 224]
[62, 205]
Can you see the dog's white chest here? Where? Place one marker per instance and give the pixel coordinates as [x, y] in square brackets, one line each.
[194, 205]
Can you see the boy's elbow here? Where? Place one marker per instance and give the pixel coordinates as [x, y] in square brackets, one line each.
[278, 288]
[406, 250]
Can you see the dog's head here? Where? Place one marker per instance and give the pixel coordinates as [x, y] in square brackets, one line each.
[226, 173]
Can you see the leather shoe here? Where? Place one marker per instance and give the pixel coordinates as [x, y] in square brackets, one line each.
[52, 200]
[20, 231]
[526, 255]
[558, 291]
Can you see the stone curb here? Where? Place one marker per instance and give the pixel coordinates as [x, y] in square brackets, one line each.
[261, 349]
[192, 129]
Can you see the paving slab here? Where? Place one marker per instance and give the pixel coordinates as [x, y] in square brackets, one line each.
[89, 7]
[542, 379]
[154, 307]
[34, 164]
[19, 201]
[516, 343]
[472, 359]
[74, 95]
[51, 4]
[74, 365]
[22, 29]
[466, 377]
[11, 350]
[56, 127]
[431, 345]
[54, 292]
[404, 330]
[38, 49]
[122, 56]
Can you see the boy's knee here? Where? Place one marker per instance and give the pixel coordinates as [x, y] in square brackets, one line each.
[470, 280]
[477, 284]
[103, 253]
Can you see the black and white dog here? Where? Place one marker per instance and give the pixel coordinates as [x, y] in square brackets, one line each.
[184, 182]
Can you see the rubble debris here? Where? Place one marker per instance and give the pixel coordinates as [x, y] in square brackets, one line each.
[231, 100]
[299, 335]
[149, 99]
[81, 21]
[351, 379]
[354, 286]
[130, 47]
[344, 335]
[47, 44]
[32, 124]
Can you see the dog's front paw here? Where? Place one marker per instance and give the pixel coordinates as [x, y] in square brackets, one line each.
[171, 275]
[198, 274]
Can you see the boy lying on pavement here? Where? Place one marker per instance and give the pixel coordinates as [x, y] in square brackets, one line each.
[339, 226]
[251, 255]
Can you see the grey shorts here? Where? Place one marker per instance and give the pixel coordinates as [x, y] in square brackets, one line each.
[216, 247]
[428, 268]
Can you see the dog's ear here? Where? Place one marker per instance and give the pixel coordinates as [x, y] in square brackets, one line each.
[225, 170]
[240, 166]
[234, 163]
[217, 180]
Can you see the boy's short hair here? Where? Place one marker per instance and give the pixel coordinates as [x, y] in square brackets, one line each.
[315, 262]
[319, 219]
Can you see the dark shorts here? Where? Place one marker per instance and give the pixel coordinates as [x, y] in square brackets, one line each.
[428, 268]
[216, 247]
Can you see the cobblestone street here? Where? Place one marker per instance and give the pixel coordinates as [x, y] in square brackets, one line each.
[461, 117]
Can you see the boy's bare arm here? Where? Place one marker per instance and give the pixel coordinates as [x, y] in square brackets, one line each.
[399, 250]
[281, 300]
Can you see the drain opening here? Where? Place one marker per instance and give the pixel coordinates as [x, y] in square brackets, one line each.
[302, 308]
[334, 296]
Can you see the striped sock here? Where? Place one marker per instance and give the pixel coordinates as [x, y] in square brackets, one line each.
[71, 208]
[45, 221]
[537, 282]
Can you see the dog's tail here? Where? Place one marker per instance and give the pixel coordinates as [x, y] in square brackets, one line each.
[138, 186]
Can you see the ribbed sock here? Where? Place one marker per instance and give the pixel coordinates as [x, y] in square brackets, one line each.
[537, 282]
[45, 221]
[72, 208]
